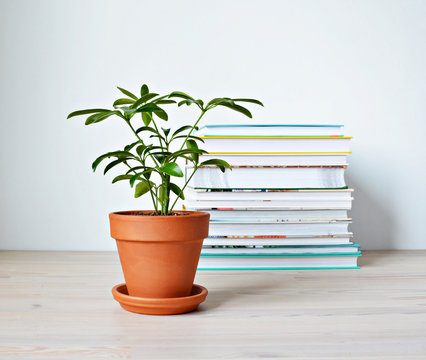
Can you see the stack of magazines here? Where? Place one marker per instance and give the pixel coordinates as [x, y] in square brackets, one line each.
[285, 203]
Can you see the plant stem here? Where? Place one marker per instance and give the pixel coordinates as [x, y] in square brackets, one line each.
[141, 141]
[156, 128]
[203, 111]
[189, 179]
[156, 200]
[192, 129]
[150, 190]
[166, 196]
[153, 159]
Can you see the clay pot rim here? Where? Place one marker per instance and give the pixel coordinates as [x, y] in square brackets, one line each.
[127, 215]
[128, 227]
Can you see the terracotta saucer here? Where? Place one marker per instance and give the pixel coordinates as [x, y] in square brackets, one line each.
[159, 306]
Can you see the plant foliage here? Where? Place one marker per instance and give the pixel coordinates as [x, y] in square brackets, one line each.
[151, 162]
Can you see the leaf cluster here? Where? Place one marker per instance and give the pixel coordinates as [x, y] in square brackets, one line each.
[150, 163]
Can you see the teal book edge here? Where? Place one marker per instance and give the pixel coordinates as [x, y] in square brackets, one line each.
[280, 255]
[283, 268]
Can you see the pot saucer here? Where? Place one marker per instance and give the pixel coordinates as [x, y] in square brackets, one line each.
[159, 306]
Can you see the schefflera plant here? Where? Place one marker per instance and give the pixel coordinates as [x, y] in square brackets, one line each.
[150, 162]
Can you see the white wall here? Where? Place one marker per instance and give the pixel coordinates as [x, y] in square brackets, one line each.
[357, 63]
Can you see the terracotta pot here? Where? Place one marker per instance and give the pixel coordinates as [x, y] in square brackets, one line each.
[159, 254]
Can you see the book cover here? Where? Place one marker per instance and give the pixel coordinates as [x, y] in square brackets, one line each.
[271, 129]
[270, 177]
[279, 262]
[279, 159]
[274, 144]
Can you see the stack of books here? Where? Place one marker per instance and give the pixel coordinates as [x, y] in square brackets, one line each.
[284, 204]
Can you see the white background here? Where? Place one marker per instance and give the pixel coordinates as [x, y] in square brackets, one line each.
[357, 63]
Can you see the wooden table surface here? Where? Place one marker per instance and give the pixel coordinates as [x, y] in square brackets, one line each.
[58, 305]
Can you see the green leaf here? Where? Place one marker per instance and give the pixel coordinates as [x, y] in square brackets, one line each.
[92, 118]
[95, 118]
[143, 187]
[238, 108]
[150, 107]
[187, 102]
[165, 102]
[177, 190]
[128, 93]
[148, 149]
[144, 90]
[131, 146]
[85, 112]
[160, 98]
[114, 163]
[147, 174]
[144, 99]
[186, 157]
[180, 153]
[189, 137]
[166, 131]
[254, 101]
[183, 128]
[128, 110]
[192, 145]
[140, 149]
[159, 157]
[221, 164]
[162, 115]
[158, 136]
[172, 169]
[121, 177]
[152, 147]
[123, 101]
[146, 128]
[146, 118]
[138, 175]
[180, 94]
[134, 170]
[165, 153]
[200, 103]
[219, 101]
[117, 154]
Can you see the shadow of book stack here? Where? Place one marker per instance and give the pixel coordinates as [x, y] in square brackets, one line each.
[284, 204]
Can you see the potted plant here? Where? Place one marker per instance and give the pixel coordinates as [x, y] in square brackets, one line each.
[158, 249]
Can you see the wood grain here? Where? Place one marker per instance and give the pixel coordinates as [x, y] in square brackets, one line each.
[58, 305]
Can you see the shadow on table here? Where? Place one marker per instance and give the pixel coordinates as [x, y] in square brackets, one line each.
[367, 259]
[244, 289]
